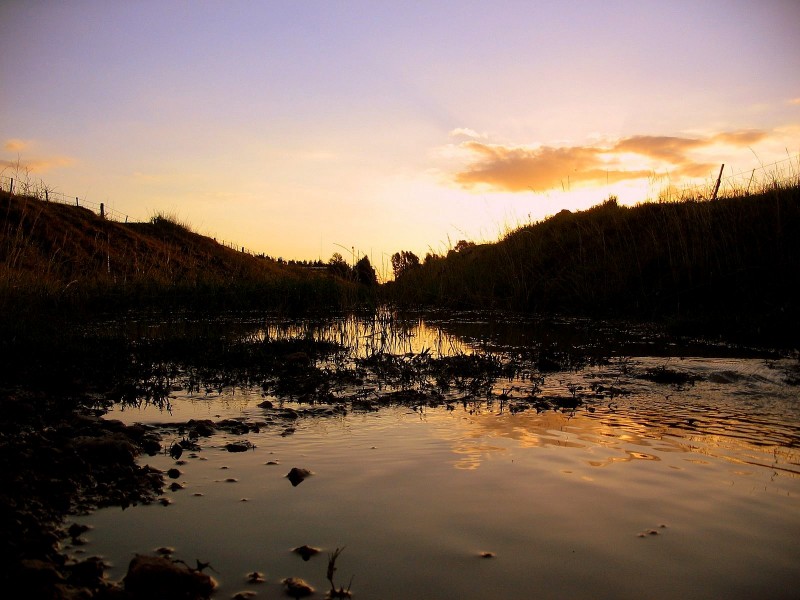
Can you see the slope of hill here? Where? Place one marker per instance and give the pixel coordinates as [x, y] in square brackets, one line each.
[727, 263]
[58, 254]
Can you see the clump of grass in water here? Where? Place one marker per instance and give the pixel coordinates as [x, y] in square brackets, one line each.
[333, 592]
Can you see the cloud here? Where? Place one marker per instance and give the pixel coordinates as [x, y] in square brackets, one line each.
[517, 169]
[31, 165]
[740, 138]
[671, 149]
[37, 165]
[16, 145]
[524, 168]
[795, 100]
[467, 132]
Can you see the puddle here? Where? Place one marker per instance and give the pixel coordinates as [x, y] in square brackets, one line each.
[587, 482]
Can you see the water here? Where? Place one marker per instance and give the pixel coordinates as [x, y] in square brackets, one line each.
[646, 489]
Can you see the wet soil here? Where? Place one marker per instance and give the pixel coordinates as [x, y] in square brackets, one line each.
[58, 457]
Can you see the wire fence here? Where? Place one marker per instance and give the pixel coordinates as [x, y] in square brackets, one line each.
[24, 187]
[736, 183]
[731, 182]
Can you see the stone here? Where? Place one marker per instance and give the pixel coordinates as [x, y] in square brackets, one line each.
[297, 475]
[159, 577]
[297, 588]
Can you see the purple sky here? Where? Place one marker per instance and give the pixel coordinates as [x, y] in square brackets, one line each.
[295, 128]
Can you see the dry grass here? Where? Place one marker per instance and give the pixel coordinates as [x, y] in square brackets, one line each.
[55, 254]
[730, 261]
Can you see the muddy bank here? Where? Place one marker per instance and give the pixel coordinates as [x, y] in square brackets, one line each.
[58, 457]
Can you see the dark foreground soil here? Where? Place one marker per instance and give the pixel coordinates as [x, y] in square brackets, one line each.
[59, 458]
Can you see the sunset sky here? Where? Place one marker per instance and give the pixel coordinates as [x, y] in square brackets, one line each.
[300, 129]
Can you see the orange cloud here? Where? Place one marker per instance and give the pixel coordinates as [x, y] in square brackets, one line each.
[740, 138]
[517, 169]
[37, 165]
[15, 145]
[522, 168]
[671, 149]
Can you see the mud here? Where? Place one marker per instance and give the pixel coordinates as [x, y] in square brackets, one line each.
[59, 458]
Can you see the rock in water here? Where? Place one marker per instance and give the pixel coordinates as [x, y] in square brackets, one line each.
[238, 446]
[297, 588]
[306, 552]
[296, 475]
[156, 577]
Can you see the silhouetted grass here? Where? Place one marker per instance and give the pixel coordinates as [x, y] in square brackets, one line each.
[726, 265]
[55, 256]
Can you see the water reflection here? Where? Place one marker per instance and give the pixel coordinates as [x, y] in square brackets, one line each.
[560, 455]
[361, 336]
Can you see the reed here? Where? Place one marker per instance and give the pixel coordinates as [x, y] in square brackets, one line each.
[727, 263]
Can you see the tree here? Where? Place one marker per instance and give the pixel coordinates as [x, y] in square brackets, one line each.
[338, 267]
[403, 261]
[365, 273]
[464, 245]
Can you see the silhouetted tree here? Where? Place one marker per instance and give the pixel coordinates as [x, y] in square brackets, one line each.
[464, 245]
[338, 267]
[365, 273]
[403, 261]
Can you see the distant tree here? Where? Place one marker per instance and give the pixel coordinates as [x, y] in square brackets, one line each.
[365, 273]
[338, 267]
[403, 261]
[463, 245]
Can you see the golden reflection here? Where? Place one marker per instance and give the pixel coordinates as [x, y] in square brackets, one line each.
[632, 435]
[363, 336]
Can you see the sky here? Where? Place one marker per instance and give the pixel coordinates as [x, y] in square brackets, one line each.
[303, 128]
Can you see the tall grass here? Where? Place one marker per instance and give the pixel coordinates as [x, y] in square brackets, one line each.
[730, 262]
[59, 256]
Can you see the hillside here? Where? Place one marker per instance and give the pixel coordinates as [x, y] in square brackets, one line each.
[727, 264]
[54, 253]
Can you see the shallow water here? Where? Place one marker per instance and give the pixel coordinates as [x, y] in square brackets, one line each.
[644, 490]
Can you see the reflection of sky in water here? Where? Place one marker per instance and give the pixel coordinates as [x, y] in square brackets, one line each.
[560, 497]
[383, 333]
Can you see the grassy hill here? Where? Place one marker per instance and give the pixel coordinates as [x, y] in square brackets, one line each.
[59, 255]
[728, 264]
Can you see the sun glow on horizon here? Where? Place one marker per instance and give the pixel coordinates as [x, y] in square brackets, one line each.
[292, 129]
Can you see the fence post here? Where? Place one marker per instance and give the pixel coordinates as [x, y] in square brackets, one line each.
[76, 201]
[747, 193]
[11, 188]
[46, 196]
[719, 180]
[102, 211]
